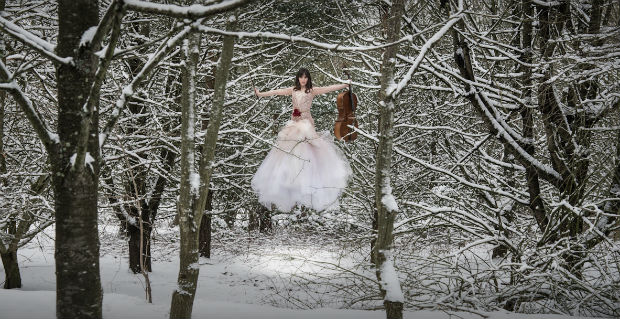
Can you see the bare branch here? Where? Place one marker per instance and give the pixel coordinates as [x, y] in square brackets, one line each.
[129, 90]
[189, 12]
[106, 23]
[294, 38]
[427, 46]
[93, 97]
[49, 139]
[43, 47]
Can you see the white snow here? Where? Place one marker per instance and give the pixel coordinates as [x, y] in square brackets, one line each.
[33, 41]
[194, 180]
[294, 38]
[87, 36]
[54, 138]
[8, 86]
[390, 202]
[427, 46]
[194, 10]
[389, 279]
[546, 3]
[88, 160]
[231, 285]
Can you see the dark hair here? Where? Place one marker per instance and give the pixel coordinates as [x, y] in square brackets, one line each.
[303, 71]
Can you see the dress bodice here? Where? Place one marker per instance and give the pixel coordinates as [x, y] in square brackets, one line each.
[302, 102]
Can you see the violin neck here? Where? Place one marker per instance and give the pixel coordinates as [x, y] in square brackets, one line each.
[350, 89]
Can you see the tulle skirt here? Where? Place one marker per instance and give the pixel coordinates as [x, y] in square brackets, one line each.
[302, 168]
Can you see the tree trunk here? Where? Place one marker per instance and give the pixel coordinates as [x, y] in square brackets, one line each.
[260, 219]
[78, 284]
[9, 259]
[11, 270]
[205, 229]
[183, 295]
[192, 201]
[536, 203]
[2, 100]
[264, 220]
[134, 244]
[384, 201]
[393, 310]
[149, 211]
[373, 241]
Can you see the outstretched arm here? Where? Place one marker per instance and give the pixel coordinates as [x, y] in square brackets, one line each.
[286, 91]
[326, 89]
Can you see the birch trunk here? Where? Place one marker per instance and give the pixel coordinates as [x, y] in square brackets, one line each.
[193, 199]
[384, 201]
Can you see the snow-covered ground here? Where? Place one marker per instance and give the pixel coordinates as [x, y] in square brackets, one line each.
[245, 279]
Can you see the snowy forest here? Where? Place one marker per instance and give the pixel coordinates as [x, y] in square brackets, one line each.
[485, 174]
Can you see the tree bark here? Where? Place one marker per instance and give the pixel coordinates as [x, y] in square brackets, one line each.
[264, 220]
[536, 204]
[260, 218]
[191, 201]
[11, 270]
[9, 259]
[205, 228]
[136, 182]
[78, 284]
[149, 212]
[2, 101]
[134, 243]
[183, 295]
[373, 241]
[392, 295]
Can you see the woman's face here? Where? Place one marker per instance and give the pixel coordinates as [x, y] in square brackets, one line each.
[303, 79]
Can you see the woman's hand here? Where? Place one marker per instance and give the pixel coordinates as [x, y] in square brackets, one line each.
[256, 91]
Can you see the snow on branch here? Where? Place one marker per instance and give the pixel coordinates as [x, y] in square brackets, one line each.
[387, 199]
[456, 217]
[389, 279]
[594, 230]
[293, 38]
[547, 172]
[546, 3]
[48, 138]
[130, 89]
[192, 12]
[43, 47]
[96, 34]
[461, 180]
[94, 94]
[395, 90]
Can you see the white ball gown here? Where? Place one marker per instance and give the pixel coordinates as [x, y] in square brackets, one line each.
[304, 167]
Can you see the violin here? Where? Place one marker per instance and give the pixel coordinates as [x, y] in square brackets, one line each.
[346, 103]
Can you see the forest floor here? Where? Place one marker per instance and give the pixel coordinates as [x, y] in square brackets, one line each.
[249, 276]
